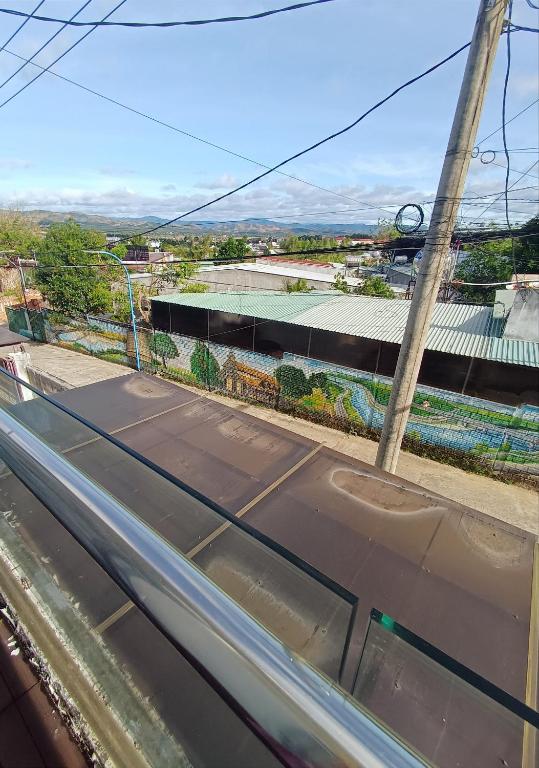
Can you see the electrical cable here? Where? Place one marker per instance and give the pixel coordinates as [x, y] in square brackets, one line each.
[163, 24]
[29, 16]
[512, 170]
[503, 193]
[317, 144]
[45, 44]
[194, 137]
[518, 28]
[507, 122]
[504, 131]
[221, 148]
[46, 69]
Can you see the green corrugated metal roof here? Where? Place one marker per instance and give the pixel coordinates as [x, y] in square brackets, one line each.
[265, 305]
[457, 329]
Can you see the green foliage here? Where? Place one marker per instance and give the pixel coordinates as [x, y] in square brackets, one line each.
[232, 248]
[488, 263]
[194, 288]
[321, 381]
[527, 248]
[295, 244]
[387, 229]
[79, 290]
[340, 284]
[204, 365]
[190, 247]
[121, 306]
[19, 236]
[375, 286]
[163, 346]
[298, 286]
[119, 250]
[138, 241]
[292, 381]
[179, 374]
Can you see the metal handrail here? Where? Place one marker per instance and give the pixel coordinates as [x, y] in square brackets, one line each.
[297, 712]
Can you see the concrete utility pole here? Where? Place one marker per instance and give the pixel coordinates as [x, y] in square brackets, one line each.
[488, 28]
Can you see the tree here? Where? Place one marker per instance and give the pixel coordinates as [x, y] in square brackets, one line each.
[487, 263]
[120, 250]
[298, 286]
[232, 248]
[340, 284]
[387, 230]
[164, 347]
[82, 288]
[204, 365]
[194, 288]
[527, 248]
[163, 276]
[19, 234]
[375, 286]
[320, 380]
[138, 241]
[292, 381]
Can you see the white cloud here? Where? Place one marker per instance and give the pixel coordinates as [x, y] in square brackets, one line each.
[221, 182]
[282, 198]
[14, 163]
[525, 85]
[109, 170]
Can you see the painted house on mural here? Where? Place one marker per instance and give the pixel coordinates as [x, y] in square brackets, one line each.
[246, 381]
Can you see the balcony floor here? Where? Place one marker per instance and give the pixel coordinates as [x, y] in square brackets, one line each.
[32, 734]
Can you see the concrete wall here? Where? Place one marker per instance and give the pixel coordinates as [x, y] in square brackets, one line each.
[242, 280]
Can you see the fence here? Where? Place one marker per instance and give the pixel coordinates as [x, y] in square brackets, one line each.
[480, 432]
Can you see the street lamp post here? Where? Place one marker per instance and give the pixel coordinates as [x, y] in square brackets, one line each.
[131, 305]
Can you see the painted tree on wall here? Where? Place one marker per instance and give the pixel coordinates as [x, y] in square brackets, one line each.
[320, 380]
[204, 365]
[292, 381]
[164, 347]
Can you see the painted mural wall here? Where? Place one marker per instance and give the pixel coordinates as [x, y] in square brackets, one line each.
[91, 336]
[505, 436]
[500, 434]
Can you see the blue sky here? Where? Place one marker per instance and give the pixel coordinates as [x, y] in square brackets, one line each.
[262, 88]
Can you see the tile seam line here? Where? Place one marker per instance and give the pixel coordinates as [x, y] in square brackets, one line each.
[120, 612]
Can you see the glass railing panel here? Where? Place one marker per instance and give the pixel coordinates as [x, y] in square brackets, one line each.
[310, 614]
[154, 693]
[446, 712]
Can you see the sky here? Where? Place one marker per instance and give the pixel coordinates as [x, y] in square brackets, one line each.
[264, 89]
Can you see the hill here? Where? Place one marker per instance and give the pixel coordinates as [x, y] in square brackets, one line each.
[113, 225]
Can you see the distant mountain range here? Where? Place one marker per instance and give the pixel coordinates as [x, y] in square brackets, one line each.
[246, 227]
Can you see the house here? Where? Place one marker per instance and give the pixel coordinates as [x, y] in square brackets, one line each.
[240, 379]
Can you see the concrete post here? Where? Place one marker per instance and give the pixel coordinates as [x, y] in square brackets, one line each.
[488, 28]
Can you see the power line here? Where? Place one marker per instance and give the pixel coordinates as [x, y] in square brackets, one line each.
[194, 137]
[508, 121]
[46, 69]
[504, 125]
[29, 16]
[45, 44]
[512, 170]
[163, 24]
[369, 206]
[503, 193]
[315, 145]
